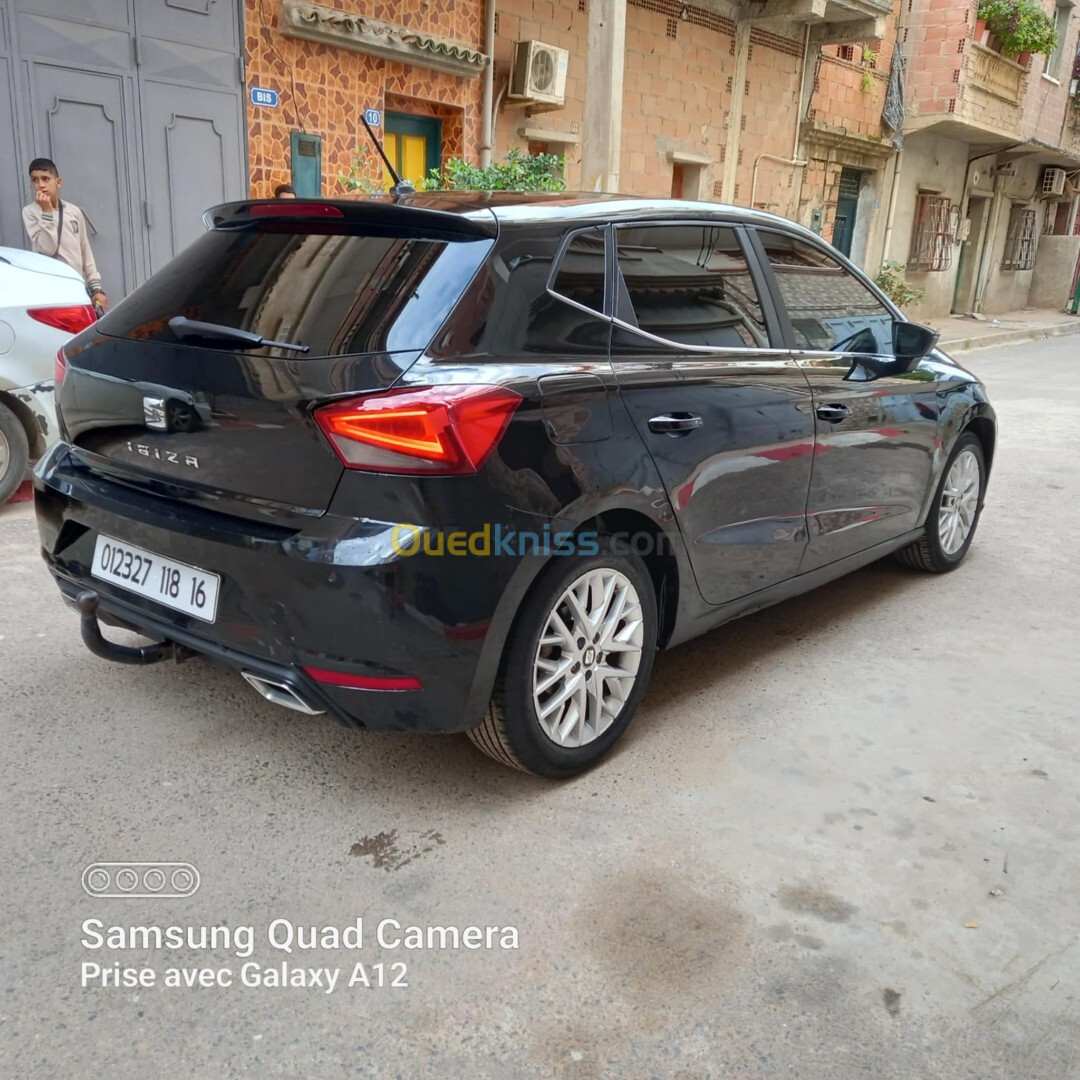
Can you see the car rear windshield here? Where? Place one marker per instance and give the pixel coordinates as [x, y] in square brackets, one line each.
[338, 293]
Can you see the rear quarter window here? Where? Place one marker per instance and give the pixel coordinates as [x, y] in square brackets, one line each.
[510, 310]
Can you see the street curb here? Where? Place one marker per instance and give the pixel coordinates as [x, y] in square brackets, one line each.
[1009, 337]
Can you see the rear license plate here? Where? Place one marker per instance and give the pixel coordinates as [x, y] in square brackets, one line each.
[166, 581]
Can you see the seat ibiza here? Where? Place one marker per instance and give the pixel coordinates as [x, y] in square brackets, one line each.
[463, 463]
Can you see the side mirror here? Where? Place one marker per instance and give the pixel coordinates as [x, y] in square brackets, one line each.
[912, 342]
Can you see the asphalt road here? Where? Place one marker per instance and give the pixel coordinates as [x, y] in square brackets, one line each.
[842, 839]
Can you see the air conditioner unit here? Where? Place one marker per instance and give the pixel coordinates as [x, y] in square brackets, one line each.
[538, 73]
[1053, 182]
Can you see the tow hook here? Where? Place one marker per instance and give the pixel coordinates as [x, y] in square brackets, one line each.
[87, 604]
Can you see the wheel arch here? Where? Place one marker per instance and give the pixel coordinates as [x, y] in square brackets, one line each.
[984, 429]
[27, 421]
[658, 555]
[668, 574]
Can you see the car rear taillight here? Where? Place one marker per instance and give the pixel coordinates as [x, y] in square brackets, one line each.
[71, 319]
[433, 429]
[59, 368]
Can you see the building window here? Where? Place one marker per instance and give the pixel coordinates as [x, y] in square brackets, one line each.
[1053, 61]
[1020, 243]
[932, 239]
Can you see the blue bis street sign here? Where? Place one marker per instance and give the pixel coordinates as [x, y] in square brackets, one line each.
[373, 117]
[262, 96]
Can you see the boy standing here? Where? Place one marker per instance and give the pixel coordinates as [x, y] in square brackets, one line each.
[58, 229]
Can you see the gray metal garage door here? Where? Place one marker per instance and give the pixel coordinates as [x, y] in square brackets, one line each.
[140, 102]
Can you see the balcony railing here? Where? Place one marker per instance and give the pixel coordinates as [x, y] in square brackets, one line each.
[992, 73]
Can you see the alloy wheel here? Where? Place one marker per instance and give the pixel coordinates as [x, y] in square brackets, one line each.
[588, 657]
[959, 502]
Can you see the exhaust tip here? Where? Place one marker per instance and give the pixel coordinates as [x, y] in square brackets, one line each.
[280, 693]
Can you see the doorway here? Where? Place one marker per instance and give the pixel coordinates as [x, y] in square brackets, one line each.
[413, 145]
[967, 270]
[144, 145]
[847, 206]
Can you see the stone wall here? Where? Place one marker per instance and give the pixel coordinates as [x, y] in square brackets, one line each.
[323, 88]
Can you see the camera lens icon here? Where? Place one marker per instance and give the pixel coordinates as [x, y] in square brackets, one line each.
[140, 880]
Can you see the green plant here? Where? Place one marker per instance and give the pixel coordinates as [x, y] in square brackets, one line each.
[896, 287]
[517, 172]
[363, 174]
[869, 58]
[1020, 25]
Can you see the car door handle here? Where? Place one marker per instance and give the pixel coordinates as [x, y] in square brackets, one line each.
[675, 423]
[833, 413]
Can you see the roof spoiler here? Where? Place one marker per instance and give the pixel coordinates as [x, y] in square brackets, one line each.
[376, 215]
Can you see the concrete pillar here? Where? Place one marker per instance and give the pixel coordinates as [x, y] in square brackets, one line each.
[601, 141]
[735, 117]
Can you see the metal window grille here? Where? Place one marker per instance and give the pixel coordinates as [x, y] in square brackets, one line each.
[932, 240]
[1020, 244]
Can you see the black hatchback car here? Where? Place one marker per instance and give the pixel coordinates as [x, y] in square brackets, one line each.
[463, 463]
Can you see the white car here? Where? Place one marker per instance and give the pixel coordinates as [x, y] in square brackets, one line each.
[43, 302]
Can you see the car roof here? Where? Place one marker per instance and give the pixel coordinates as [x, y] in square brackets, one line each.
[474, 210]
[20, 259]
[585, 207]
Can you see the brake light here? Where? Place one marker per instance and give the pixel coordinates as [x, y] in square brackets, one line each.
[292, 208]
[59, 368]
[433, 429]
[363, 682]
[71, 319]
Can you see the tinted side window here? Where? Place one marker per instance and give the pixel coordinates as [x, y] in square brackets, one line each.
[689, 284]
[830, 309]
[337, 293]
[508, 310]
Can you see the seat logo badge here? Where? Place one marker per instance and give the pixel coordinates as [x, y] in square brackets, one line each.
[154, 413]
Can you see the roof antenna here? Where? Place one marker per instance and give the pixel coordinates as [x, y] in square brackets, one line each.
[400, 186]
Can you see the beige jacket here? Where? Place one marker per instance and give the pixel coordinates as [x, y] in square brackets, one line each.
[73, 247]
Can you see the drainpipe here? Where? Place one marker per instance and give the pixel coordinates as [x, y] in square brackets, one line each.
[488, 119]
[794, 160]
[735, 116]
[802, 93]
[770, 157]
[894, 192]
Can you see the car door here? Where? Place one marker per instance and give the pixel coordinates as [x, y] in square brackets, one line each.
[720, 405]
[876, 429]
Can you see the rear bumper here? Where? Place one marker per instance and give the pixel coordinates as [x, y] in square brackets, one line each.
[333, 596]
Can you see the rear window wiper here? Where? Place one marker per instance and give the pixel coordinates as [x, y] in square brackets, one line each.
[214, 333]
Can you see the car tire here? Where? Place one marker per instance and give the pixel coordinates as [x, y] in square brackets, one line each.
[14, 453]
[954, 513]
[562, 700]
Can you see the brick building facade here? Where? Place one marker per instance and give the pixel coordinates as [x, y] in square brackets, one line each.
[324, 85]
[775, 104]
[972, 219]
[678, 97]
